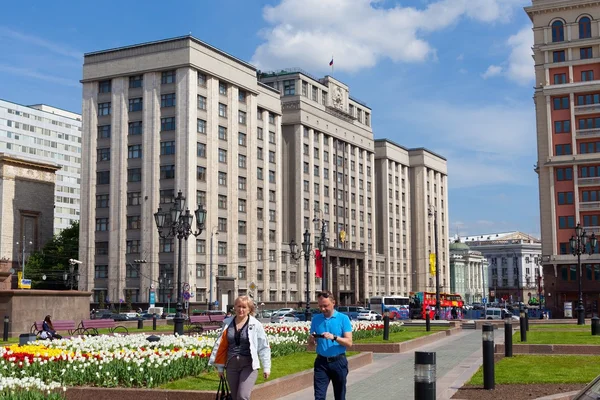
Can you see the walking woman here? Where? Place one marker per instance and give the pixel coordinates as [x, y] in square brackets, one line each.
[241, 349]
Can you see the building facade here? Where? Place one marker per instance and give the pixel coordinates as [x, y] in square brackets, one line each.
[49, 135]
[567, 99]
[467, 273]
[513, 265]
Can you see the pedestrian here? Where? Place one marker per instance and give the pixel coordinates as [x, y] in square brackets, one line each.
[454, 312]
[241, 349]
[48, 329]
[331, 331]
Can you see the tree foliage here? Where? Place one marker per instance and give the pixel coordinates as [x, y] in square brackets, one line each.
[53, 260]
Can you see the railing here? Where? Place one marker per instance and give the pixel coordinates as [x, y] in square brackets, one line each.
[588, 132]
[589, 205]
[587, 109]
[588, 181]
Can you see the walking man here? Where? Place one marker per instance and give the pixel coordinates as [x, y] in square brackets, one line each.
[332, 333]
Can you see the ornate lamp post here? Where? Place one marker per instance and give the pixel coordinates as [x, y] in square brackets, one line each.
[71, 277]
[433, 213]
[296, 255]
[579, 244]
[178, 224]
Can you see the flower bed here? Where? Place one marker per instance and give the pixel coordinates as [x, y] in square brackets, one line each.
[132, 361]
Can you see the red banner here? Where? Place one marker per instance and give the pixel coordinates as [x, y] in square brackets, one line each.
[318, 264]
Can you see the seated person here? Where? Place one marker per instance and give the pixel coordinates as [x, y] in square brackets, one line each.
[48, 331]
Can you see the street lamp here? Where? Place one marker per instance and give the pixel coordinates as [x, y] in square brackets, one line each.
[72, 276]
[433, 213]
[179, 226]
[296, 255]
[322, 247]
[518, 271]
[579, 244]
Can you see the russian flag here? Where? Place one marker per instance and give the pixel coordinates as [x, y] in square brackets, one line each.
[331, 62]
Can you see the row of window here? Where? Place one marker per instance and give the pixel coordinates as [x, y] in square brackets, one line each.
[584, 54]
[566, 174]
[560, 79]
[558, 29]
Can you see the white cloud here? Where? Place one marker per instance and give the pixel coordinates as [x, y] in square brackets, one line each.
[359, 34]
[31, 73]
[39, 42]
[493, 70]
[520, 63]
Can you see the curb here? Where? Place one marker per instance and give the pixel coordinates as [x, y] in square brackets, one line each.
[403, 347]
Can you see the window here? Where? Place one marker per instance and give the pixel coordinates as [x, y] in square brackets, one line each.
[585, 28]
[167, 77]
[136, 81]
[101, 224]
[134, 198]
[324, 98]
[102, 201]
[242, 227]
[101, 271]
[222, 248]
[589, 123]
[222, 133]
[104, 86]
[272, 157]
[241, 183]
[134, 222]
[259, 133]
[103, 177]
[566, 222]
[304, 88]
[315, 93]
[167, 171]
[241, 161]
[200, 246]
[271, 118]
[167, 100]
[200, 270]
[271, 176]
[259, 153]
[167, 124]
[201, 174]
[135, 128]
[259, 173]
[167, 148]
[242, 96]
[242, 270]
[222, 88]
[585, 53]
[272, 216]
[563, 149]
[222, 202]
[558, 56]
[103, 154]
[242, 139]
[223, 156]
[134, 151]
[271, 137]
[242, 117]
[166, 196]
[135, 104]
[564, 174]
[104, 132]
[565, 198]
[134, 175]
[165, 245]
[201, 197]
[561, 78]
[587, 76]
[241, 205]
[289, 87]
[201, 150]
[201, 79]
[562, 126]
[222, 178]
[103, 109]
[561, 103]
[558, 31]
[201, 102]
[272, 196]
[222, 110]
[201, 126]
[222, 270]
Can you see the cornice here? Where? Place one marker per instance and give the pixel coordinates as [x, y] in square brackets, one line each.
[559, 6]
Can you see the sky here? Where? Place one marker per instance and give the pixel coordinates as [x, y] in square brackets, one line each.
[453, 76]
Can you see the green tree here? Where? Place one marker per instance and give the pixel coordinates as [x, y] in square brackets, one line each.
[53, 260]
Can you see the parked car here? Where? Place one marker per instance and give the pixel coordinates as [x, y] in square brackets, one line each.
[368, 315]
[282, 311]
[289, 317]
[351, 311]
[267, 313]
[499, 313]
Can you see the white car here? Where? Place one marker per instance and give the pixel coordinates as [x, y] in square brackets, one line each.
[368, 315]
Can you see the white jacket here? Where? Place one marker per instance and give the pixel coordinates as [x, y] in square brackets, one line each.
[259, 346]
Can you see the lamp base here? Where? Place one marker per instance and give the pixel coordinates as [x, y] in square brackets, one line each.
[178, 320]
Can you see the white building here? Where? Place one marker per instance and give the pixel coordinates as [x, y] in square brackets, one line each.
[47, 134]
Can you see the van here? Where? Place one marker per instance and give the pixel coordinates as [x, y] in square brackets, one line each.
[498, 313]
[350, 311]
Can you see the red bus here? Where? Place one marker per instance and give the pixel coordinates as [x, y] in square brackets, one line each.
[421, 301]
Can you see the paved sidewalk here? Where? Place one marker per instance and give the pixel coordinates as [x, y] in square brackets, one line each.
[391, 376]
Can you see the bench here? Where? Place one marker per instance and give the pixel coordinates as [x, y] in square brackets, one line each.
[59, 326]
[217, 318]
[91, 326]
[201, 323]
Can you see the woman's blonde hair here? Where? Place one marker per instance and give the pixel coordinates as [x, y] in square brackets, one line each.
[249, 302]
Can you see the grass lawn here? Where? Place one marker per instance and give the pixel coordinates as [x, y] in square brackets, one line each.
[558, 337]
[536, 327]
[409, 332]
[530, 369]
[280, 366]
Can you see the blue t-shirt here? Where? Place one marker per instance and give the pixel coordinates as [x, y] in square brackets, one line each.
[337, 325]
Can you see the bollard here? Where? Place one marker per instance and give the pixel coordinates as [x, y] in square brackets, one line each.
[522, 327]
[488, 356]
[6, 321]
[427, 321]
[424, 375]
[153, 322]
[508, 336]
[526, 321]
[386, 326]
[595, 325]
[140, 323]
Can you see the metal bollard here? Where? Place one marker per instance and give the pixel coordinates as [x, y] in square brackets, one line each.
[424, 375]
[427, 321]
[508, 336]
[595, 326]
[488, 356]
[386, 326]
[6, 322]
[522, 327]
[141, 323]
[526, 321]
[154, 322]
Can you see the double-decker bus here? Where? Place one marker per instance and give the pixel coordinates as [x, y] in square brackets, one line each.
[397, 306]
[420, 302]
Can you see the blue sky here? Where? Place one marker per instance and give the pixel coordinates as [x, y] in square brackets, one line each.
[454, 76]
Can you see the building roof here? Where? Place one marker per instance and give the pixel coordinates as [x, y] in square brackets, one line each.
[500, 238]
[458, 246]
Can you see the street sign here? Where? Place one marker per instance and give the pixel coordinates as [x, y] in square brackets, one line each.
[25, 284]
[484, 300]
[252, 286]
[186, 287]
[216, 302]
[186, 296]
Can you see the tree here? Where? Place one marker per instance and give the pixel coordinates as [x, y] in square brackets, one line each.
[53, 260]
